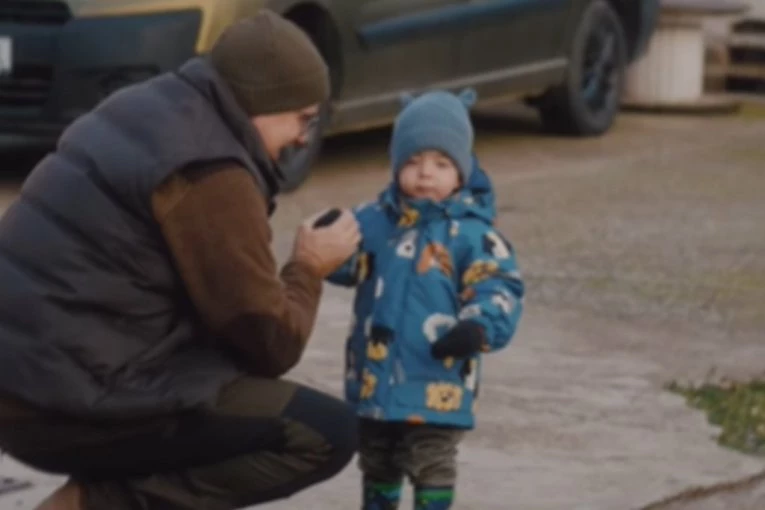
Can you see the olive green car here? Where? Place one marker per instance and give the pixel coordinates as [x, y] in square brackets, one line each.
[567, 57]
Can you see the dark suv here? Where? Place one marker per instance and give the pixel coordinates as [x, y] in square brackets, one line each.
[567, 57]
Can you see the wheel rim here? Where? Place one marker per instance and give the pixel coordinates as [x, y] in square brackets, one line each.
[600, 77]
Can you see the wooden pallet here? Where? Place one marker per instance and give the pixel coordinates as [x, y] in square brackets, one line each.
[746, 55]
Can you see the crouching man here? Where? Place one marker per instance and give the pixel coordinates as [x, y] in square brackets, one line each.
[143, 322]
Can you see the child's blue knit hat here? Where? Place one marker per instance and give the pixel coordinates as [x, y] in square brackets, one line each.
[437, 120]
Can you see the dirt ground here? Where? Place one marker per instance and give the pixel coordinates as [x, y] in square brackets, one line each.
[644, 255]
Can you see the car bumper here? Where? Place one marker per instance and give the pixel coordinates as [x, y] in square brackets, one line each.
[62, 70]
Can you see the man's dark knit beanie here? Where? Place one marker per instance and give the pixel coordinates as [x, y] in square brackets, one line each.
[271, 65]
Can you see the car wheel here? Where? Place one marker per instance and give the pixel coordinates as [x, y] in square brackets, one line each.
[296, 162]
[587, 103]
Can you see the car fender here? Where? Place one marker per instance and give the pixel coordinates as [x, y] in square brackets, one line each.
[243, 8]
[285, 6]
[649, 20]
[216, 15]
[640, 18]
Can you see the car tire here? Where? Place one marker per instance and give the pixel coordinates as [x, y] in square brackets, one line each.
[587, 103]
[296, 163]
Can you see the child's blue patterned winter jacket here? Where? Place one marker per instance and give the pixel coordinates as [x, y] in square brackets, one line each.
[421, 269]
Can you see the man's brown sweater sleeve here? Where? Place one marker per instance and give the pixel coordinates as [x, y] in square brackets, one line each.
[215, 222]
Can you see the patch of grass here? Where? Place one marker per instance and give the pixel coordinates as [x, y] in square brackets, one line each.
[738, 408]
[752, 154]
[752, 110]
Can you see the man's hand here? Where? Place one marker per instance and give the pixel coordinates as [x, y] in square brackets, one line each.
[326, 248]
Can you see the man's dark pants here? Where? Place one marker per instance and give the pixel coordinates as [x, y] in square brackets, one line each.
[266, 439]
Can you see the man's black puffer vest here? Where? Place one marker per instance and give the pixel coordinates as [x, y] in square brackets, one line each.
[94, 319]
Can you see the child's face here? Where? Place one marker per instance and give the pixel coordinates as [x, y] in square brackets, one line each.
[429, 174]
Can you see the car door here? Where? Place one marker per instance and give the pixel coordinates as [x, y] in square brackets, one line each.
[401, 45]
[517, 36]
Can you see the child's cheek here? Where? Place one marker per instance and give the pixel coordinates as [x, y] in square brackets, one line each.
[405, 184]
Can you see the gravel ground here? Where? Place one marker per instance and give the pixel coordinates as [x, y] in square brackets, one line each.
[644, 256]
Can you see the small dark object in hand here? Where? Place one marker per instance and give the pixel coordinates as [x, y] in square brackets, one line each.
[328, 218]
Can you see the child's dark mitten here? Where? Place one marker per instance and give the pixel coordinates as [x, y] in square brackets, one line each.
[462, 341]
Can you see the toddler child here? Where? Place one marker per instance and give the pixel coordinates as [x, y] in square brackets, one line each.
[437, 286]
